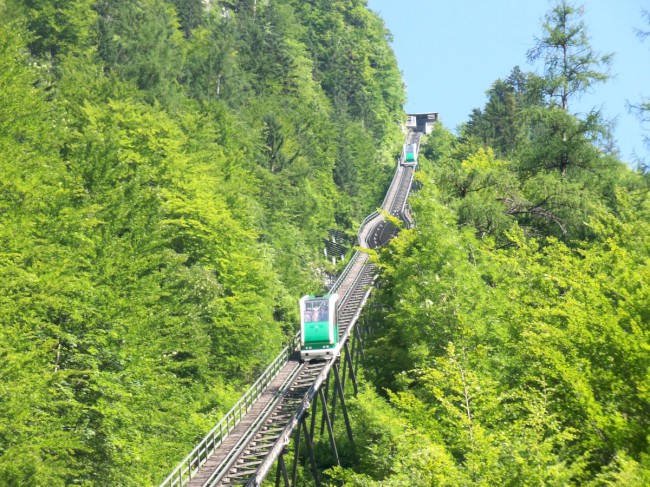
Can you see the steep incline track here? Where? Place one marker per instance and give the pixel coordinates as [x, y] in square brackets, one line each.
[242, 452]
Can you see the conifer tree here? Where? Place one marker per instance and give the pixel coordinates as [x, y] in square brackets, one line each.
[571, 66]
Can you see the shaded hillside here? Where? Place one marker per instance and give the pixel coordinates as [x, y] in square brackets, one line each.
[167, 172]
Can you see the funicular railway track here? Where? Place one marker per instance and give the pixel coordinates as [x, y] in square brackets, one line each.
[244, 446]
[385, 229]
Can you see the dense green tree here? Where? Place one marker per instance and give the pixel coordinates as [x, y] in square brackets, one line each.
[190, 14]
[40, 294]
[524, 364]
[564, 165]
[59, 27]
[353, 61]
[392, 450]
[213, 69]
[140, 42]
[503, 124]
[571, 67]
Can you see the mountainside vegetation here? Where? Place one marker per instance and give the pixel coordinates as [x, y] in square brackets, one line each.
[511, 341]
[168, 170]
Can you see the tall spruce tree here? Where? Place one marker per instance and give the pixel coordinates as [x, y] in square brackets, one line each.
[571, 66]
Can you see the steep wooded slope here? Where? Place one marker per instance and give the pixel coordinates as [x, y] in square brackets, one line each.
[167, 172]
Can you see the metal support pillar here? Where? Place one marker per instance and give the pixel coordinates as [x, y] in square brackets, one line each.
[314, 410]
[356, 349]
[344, 352]
[282, 470]
[357, 360]
[335, 366]
[294, 472]
[353, 374]
[310, 450]
[348, 427]
[329, 427]
[327, 390]
[358, 333]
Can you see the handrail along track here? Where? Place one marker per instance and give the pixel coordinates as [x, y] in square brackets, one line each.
[206, 447]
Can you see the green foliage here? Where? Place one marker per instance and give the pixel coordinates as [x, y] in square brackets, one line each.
[59, 27]
[190, 14]
[510, 326]
[167, 173]
[571, 66]
[140, 42]
[563, 165]
[560, 142]
[525, 364]
[392, 452]
[554, 175]
[354, 63]
[503, 123]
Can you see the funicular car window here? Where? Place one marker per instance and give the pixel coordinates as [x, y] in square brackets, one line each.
[316, 310]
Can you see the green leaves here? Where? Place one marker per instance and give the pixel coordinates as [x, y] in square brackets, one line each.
[166, 179]
[59, 27]
[354, 63]
[571, 66]
[140, 42]
[525, 364]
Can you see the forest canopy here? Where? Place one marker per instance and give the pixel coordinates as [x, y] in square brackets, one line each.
[168, 171]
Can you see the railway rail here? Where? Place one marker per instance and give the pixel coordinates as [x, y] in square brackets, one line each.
[243, 447]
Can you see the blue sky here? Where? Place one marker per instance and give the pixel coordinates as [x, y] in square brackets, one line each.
[451, 51]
